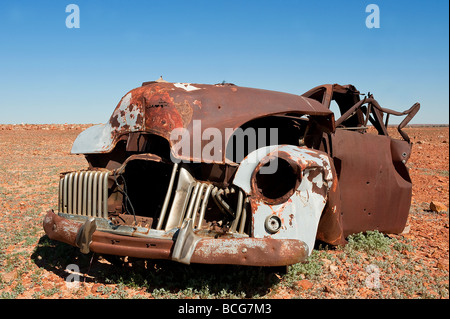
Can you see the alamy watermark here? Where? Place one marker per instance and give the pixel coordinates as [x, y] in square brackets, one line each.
[209, 145]
[373, 19]
[73, 279]
[73, 19]
[373, 279]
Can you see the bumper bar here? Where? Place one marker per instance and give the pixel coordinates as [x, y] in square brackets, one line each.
[236, 251]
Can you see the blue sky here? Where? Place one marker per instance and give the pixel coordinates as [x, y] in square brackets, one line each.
[52, 74]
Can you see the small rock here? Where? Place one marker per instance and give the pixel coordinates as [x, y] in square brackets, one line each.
[326, 262]
[441, 265]
[326, 289]
[95, 287]
[10, 276]
[406, 230]
[438, 207]
[305, 284]
[333, 268]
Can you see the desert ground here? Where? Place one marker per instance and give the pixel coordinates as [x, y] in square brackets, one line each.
[412, 265]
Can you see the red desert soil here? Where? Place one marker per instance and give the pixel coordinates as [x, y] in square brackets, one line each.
[32, 266]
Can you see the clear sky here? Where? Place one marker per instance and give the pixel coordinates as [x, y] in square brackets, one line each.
[52, 74]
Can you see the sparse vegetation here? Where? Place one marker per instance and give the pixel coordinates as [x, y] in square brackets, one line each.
[371, 242]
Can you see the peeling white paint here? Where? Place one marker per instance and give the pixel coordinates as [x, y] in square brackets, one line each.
[186, 86]
[93, 140]
[99, 138]
[318, 180]
[300, 215]
[69, 230]
[326, 159]
[229, 246]
[243, 176]
[130, 117]
[47, 219]
[125, 102]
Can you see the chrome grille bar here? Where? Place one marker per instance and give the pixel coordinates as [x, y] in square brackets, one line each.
[84, 193]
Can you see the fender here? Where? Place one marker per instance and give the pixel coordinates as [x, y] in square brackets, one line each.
[295, 214]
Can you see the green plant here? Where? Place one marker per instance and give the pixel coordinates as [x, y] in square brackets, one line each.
[50, 292]
[310, 269]
[370, 242]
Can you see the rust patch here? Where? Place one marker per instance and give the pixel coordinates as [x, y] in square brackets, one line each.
[61, 229]
[185, 110]
[250, 251]
[313, 173]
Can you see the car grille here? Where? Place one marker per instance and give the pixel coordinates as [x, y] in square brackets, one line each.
[84, 193]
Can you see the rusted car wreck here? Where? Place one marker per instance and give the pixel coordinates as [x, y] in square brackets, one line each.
[176, 174]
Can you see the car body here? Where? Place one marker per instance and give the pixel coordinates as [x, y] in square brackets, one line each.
[223, 174]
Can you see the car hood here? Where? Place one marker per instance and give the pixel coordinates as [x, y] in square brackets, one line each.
[161, 107]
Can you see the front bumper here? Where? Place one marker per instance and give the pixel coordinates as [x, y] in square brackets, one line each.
[236, 251]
